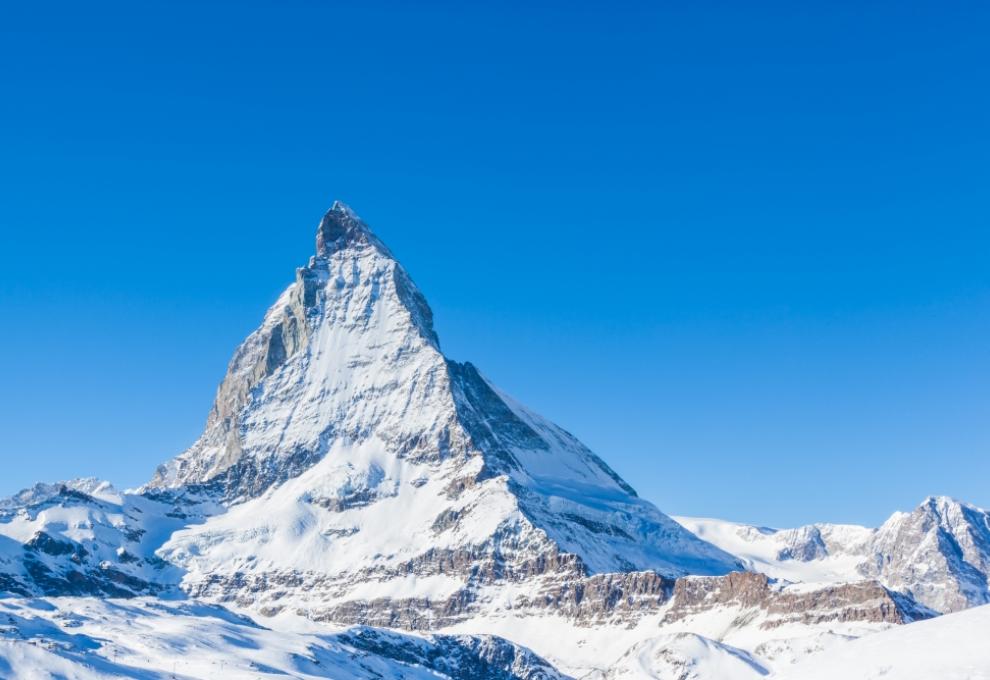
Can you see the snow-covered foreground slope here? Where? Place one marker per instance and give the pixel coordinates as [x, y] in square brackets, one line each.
[682, 655]
[146, 638]
[87, 638]
[951, 647]
[939, 553]
[774, 623]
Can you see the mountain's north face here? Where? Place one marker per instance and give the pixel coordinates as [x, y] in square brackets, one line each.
[349, 473]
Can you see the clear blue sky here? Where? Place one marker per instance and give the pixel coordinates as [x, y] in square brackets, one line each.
[741, 249]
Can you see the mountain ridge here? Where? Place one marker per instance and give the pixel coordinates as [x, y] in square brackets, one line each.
[938, 553]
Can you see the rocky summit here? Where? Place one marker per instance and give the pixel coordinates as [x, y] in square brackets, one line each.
[371, 508]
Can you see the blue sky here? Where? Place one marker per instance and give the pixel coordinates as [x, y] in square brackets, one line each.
[741, 251]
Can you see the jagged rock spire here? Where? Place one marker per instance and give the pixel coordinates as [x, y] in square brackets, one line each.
[341, 228]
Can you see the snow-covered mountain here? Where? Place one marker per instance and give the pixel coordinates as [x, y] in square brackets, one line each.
[82, 537]
[938, 554]
[951, 647]
[369, 478]
[352, 479]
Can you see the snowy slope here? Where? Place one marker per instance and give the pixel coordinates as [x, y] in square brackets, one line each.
[774, 623]
[950, 647]
[939, 553]
[73, 638]
[818, 553]
[682, 655]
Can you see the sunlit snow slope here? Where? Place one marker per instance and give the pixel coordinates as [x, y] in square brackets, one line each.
[950, 647]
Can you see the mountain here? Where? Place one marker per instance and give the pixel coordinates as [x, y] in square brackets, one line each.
[938, 554]
[358, 505]
[349, 451]
[82, 537]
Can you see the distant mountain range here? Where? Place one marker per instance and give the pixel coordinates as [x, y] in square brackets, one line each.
[360, 506]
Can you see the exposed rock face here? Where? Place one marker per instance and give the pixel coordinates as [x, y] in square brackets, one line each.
[862, 601]
[939, 554]
[603, 598]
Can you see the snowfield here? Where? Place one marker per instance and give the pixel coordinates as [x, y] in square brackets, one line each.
[951, 647]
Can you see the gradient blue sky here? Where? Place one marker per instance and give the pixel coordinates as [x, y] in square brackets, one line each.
[740, 249]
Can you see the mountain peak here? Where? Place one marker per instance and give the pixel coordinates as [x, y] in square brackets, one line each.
[343, 431]
[341, 228]
[942, 505]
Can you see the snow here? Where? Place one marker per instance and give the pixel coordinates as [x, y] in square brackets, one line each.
[683, 655]
[87, 639]
[950, 647]
[764, 550]
[938, 554]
